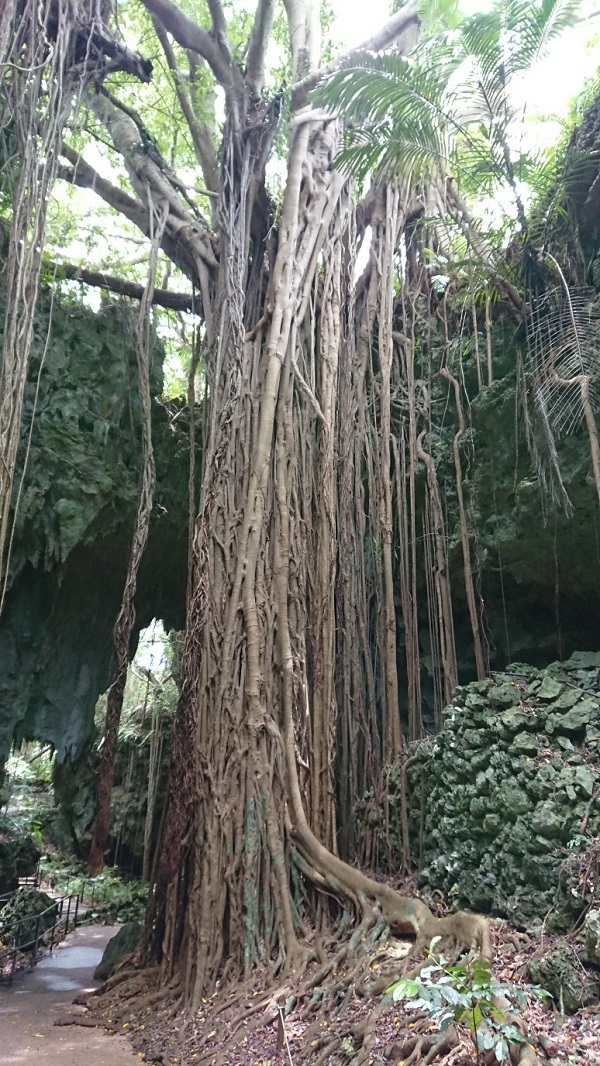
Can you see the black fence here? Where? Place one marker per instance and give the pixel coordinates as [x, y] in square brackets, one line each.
[26, 939]
[98, 900]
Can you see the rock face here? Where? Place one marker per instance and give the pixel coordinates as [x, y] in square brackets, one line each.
[19, 856]
[591, 934]
[560, 973]
[512, 785]
[26, 916]
[74, 523]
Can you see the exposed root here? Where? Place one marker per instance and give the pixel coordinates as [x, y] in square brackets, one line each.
[424, 1048]
[78, 1019]
[334, 1006]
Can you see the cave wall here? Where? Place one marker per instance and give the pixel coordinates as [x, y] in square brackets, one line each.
[537, 568]
[540, 567]
[74, 519]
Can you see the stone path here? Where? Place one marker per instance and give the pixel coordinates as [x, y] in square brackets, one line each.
[29, 1007]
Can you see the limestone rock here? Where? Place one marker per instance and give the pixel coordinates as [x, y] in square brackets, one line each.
[126, 941]
[507, 788]
[549, 689]
[561, 974]
[591, 934]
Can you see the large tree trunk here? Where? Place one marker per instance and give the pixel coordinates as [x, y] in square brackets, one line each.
[285, 334]
[253, 752]
[291, 634]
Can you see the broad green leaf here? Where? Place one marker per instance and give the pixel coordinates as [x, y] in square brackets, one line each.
[501, 1051]
[404, 989]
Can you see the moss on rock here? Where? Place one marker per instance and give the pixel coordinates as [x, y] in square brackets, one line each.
[507, 798]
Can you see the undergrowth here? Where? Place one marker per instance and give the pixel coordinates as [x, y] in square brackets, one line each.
[466, 994]
[106, 897]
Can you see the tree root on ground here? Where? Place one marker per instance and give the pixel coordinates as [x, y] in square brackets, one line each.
[78, 1019]
[423, 1048]
[323, 1007]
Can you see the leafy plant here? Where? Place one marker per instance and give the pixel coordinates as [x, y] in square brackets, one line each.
[36, 832]
[450, 104]
[107, 897]
[466, 993]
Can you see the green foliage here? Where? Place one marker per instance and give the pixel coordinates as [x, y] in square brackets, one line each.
[466, 994]
[579, 841]
[450, 103]
[31, 765]
[107, 897]
[36, 832]
[399, 108]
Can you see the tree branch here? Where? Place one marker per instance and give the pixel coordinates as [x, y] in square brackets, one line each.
[153, 180]
[257, 47]
[304, 28]
[189, 35]
[404, 21]
[174, 301]
[83, 175]
[219, 24]
[200, 133]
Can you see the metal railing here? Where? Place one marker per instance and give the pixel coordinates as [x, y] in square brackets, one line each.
[20, 950]
[94, 895]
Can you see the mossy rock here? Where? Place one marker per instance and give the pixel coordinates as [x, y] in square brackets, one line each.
[591, 938]
[125, 942]
[560, 973]
[26, 917]
[19, 856]
[497, 838]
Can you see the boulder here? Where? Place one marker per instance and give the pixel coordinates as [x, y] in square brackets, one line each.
[561, 974]
[591, 938]
[125, 942]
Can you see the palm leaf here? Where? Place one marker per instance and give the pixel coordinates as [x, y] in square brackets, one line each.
[563, 342]
[537, 25]
[399, 110]
[564, 345]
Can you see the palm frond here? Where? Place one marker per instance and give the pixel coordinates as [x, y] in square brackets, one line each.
[564, 346]
[537, 25]
[563, 342]
[514, 35]
[448, 100]
[392, 153]
[376, 86]
[396, 106]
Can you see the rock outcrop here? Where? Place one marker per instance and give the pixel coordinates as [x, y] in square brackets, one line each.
[512, 785]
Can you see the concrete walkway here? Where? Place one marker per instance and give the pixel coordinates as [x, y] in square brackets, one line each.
[29, 1007]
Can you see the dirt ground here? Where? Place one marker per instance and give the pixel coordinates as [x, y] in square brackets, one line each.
[33, 1004]
[34, 1001]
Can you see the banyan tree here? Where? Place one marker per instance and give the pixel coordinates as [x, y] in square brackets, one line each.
[318, 485]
